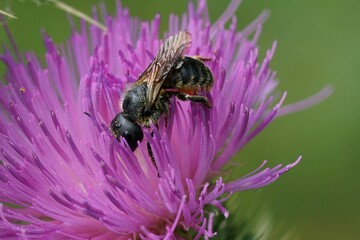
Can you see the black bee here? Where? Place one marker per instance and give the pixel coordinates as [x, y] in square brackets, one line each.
[169, 74]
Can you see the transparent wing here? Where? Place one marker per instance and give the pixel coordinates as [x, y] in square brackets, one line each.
[169, 53]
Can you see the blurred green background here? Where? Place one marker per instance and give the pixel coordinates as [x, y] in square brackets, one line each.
[318, 44]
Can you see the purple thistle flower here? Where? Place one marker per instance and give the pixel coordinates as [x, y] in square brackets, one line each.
[63, 175]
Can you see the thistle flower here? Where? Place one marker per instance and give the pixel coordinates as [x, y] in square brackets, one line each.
[63, 175]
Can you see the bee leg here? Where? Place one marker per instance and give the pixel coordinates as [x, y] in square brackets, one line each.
[200, 58]
[194, 98]
[152, 157]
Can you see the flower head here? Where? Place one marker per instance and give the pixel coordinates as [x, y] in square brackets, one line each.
[64, 175]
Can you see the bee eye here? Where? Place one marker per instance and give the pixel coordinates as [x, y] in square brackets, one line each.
[120, 126]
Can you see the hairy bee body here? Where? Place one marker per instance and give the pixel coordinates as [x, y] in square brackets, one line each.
[184, 81]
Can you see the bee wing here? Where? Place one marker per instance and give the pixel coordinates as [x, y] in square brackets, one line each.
[169, 53]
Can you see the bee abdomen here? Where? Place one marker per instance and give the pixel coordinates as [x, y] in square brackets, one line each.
[193, 74]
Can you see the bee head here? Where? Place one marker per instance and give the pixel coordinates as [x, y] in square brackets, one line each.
[122, 127]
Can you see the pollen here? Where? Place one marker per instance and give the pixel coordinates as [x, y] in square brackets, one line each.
[22, 89]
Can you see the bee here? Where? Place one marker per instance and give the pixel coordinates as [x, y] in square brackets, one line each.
[169, 74]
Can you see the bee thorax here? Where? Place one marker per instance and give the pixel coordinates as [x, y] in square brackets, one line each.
[134, 102]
